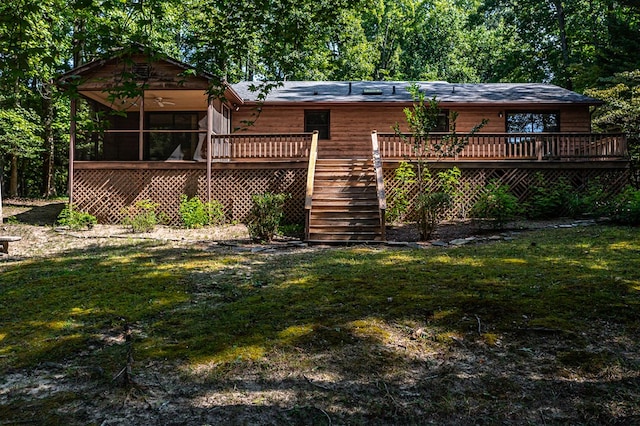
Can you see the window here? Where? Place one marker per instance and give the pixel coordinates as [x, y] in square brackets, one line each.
[532, 122]
[317, 120]
[443, 122]
[175, 145]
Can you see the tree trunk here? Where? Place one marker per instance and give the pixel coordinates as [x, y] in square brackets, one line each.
[13, 182]
[48, 187]
[564, 45]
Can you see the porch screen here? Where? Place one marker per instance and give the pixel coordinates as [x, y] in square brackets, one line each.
[171, 144]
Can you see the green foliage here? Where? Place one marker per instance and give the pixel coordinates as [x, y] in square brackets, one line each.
[621, 111]
[497, 203]
[76, 219]
[20, 133]
[625, 208]
[142, 216]
[422, 120]
[265, 215]
[294, 230]
[398, 198]
[594, 200]
[195, 213]
[548, 199]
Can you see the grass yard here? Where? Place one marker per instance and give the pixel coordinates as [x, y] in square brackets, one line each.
[544, 329]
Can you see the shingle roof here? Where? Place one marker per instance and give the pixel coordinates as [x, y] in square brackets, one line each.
[395, 91]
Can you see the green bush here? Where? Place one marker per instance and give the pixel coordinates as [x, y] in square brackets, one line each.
[76, 219]
[398, 198]
[432, 206]
[625, 208]
[548, 200]
[265, 215]
[142, 216]
[195, 214]
[593, 201]
[294, 230]
[497, 203]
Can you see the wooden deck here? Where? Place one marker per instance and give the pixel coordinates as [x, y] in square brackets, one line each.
[347, 200]
[515, 147]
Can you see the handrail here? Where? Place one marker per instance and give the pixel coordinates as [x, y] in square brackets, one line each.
[518, 146]
[313, 157]
[377, 166]
[311, 173]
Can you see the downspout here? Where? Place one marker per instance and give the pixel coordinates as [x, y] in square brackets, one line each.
[72, 147]
[209, 138]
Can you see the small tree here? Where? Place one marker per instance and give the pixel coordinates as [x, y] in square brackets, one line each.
[20, 138]
[422, 120]
[265, 215]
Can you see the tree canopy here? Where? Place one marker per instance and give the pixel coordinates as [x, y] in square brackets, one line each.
[578, 44]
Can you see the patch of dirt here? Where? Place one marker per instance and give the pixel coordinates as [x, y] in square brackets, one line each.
[34, 220]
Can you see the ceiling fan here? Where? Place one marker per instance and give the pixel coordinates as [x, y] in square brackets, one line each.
[161, 102]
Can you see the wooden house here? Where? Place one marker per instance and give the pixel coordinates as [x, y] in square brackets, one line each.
[328, 144]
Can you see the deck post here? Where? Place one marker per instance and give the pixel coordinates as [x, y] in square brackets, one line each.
[72, 147]
[539, 149]
[208, 141]
[141, 130]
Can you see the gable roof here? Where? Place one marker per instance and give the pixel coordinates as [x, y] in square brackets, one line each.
[396, 91]
[158, 72]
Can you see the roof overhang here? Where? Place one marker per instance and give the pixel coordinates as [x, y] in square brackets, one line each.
[129, 78]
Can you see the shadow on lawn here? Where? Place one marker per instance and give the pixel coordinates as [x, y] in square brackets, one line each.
[34, 214]
[338, 311]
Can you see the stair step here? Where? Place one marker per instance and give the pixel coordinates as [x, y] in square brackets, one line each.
[322, 238]
[344, 215]
[345, 202]
[346, 223]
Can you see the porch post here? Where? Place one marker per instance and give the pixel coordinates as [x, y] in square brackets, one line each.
[72, 147]
[141, 130]
[209, 137]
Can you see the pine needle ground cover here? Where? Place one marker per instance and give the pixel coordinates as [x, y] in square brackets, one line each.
[544, 329]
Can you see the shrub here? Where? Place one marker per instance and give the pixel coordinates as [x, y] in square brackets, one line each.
[432, 206]
[75, 219]
[548, 200]
[142, 216]
[195, 214]
[497, 203]
[265, 215]
[625, 208]
[399, 203]
[593, 201]
[294, 230]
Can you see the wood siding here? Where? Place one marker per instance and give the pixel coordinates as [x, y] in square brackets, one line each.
[351, 125]
[163, 75]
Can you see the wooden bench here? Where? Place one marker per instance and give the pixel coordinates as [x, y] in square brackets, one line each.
[4, 242]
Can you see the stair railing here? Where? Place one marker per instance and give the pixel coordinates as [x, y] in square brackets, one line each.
[311, 172]
[377, 166]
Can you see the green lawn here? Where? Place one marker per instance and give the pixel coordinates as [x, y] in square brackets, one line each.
[218, 315]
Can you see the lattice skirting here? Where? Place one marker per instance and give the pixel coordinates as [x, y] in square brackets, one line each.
[104, 193]
[519, 180]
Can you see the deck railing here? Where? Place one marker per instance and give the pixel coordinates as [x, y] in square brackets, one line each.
[377, 166]
[516, 146]
[311, 173]
[244, 146]
[272, 146]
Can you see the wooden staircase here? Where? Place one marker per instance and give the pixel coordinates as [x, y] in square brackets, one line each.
[344, 203]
